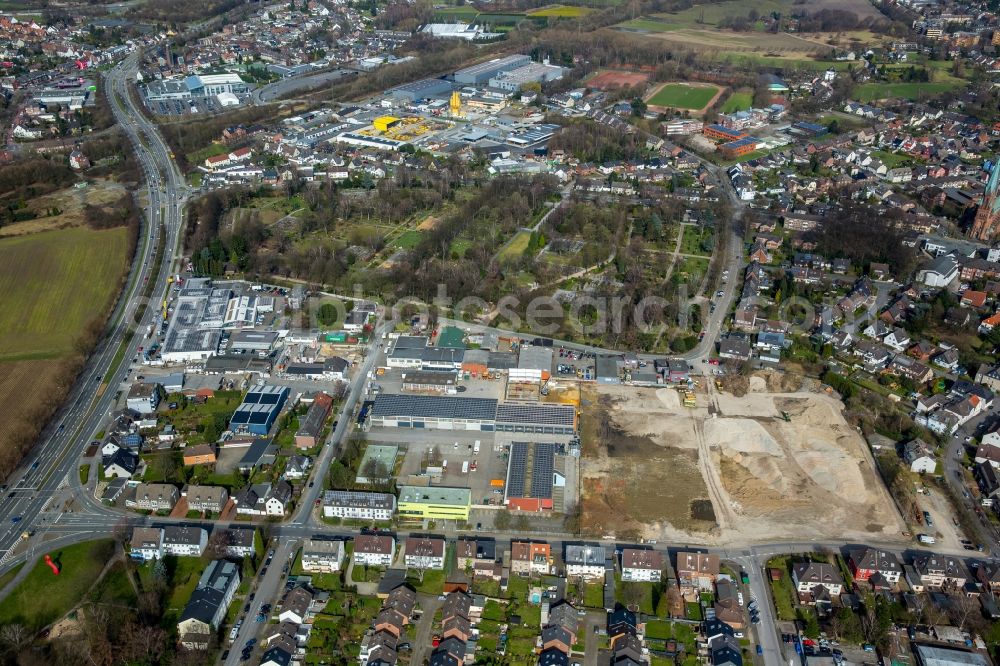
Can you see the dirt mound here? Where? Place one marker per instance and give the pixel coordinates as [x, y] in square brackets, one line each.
[757, 384]
[781, 382]
[741, 436]
[738, 385]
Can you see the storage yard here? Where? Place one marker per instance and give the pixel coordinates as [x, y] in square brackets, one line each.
[730, 470]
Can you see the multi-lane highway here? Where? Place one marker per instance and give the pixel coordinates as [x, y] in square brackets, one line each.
[51, 466]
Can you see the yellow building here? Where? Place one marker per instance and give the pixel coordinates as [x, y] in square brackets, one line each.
[434, 503]
[383, 123]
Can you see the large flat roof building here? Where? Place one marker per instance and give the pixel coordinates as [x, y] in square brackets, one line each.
[422, 89]
[484, 71]
[434, 503]
[393, 410]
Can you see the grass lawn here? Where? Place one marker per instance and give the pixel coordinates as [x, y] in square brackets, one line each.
[868, 92]
[683, 96]
[664, 630]
[114, 588]
[84, 474]
[517, 588]
[408, 239]
[212, 150]
[892, 160]
[52, 284]
[739, 101]
[693, 611]
[42, 598]
[515, 248]
[463, 12]
[561, 11]
[363, 574]
[460, 246]
[692, 239]
[691, 269]
[10, 575]
[649, 25]
[782, 590]
[593, 595]
[433, 582]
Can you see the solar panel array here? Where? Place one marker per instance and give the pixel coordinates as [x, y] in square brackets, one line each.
[517, 468]
[392, 405]
[562, 415]
[541, 471]
[542, 456]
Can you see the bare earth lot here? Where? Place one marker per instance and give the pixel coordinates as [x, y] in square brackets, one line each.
[730, 471]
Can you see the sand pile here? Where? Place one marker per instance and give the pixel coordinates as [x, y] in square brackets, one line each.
[742, 436]
[669, 398]
[757, 384]
[832, 469]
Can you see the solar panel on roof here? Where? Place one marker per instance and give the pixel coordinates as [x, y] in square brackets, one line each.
[542, 468]
[517, 469]
[395, 405]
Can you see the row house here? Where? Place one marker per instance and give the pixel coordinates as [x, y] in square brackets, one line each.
[530, 557]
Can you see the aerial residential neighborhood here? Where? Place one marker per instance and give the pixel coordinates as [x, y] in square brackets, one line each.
[500, 333]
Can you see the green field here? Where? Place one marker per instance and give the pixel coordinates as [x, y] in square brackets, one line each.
[683, 96]
[52, 284]
[868, 92]
[561, 11]
[516, 247]
[42, 597]
[408, 239]
[738, 101]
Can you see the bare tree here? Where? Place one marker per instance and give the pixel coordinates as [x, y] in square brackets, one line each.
[218, 544]
[15, 636]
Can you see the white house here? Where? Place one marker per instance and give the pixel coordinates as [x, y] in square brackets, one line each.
[919, 457]
[810, 575]
[143, 397]
[358, 505]
[642, 566]
[585, 561]
[322, 556]
[374, 550]
[940, 273]
[424, 553]
[146, 543]
[184, 541]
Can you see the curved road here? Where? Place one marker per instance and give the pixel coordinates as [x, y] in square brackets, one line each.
[30, 504]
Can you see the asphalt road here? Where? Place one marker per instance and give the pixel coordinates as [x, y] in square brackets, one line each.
[283, 87]
[52, 465]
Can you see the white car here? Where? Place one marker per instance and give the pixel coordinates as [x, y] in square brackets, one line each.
[739, 598]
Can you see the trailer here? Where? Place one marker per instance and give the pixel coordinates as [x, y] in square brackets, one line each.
[465, 467]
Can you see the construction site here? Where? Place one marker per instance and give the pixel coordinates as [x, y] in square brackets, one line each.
[702, 465]
[401, 129]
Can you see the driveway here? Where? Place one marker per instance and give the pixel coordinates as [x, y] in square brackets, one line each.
[425, 628]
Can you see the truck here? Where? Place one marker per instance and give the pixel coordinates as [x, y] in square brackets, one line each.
[475, 447]
[465, 467]
[444, 465]
[926, 539]
[497, 483]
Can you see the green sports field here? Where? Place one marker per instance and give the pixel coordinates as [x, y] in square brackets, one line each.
[738, 101]
[683, 96]
[52, 284]
[561, 11]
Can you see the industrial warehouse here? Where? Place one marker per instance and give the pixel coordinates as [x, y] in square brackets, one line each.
[483, 414]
